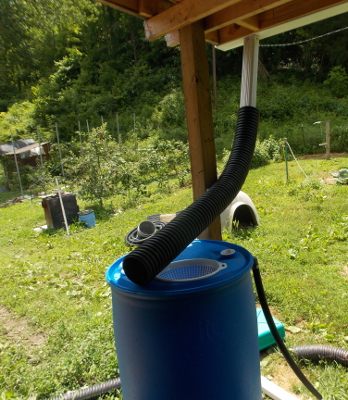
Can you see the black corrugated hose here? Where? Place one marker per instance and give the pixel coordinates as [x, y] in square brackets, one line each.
[91, 392]
[147, 261]
[321, 352]
[275, 333]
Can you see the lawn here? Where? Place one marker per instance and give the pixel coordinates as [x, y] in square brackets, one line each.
[56, 329]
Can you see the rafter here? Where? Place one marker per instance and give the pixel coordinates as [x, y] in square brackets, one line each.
[298, 8]
[233, 32]
[182, 14]
[251, 23]
[277, 16]
[173, 38]
[139, 8]
[128, 6]
[150, 8]
[224, 20]
[240, 11]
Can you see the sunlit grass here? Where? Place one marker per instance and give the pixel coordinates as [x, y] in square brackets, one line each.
[56, 283]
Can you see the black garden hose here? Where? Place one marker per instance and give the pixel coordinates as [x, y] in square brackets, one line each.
[275, 333]
[90, 392]
[321, 352]
[147, 261]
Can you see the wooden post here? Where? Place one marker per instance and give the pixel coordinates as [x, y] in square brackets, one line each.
[59, 149]
[214, 75]
[16, 162]
[328, 156]
[40, 151]
[195, 75]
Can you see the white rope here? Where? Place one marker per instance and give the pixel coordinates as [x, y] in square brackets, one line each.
[292, 153]
[302, 41]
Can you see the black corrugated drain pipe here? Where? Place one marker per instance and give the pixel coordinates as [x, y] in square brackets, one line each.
[90, 392]
[147, 261]
[321, 352]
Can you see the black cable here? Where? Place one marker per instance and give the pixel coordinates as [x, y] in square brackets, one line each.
[275, 333]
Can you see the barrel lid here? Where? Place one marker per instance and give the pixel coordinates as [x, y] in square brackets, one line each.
[238, 260]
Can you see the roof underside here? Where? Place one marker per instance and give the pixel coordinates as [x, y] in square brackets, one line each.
[227, 22]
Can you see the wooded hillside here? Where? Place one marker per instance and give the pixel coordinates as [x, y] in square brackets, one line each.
[77, 60]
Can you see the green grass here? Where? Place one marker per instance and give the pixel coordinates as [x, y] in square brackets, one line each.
[55, 283]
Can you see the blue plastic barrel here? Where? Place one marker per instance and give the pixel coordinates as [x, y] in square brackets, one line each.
[194, 339]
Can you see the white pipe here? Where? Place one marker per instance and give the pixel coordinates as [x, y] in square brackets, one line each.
[274, 391]
[249, 71]
[62, 206]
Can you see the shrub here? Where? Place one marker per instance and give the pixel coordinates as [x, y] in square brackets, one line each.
[339, 139]
[261, 156]
[337, 82]
[97, 171]
[274, 148]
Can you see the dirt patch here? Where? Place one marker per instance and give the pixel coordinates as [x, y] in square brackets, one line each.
[344, 271]
[286, 379]
[322, 156]
[18, 332]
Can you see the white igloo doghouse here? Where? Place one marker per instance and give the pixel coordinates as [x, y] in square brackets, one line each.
[241, 210]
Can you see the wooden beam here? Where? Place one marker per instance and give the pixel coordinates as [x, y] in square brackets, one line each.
[173, 38]
[139, 8]
[242, 10]
[212, 38]
[296, 9]
[232, 32]
[251, 23]
[195, 73]
[277, 16]
[150, 8]
[182, 14]
[128, 6]
[147, 9]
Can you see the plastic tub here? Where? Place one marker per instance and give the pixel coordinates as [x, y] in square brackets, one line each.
[88, 217]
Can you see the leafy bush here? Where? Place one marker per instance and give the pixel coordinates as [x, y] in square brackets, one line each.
[274, 148]
[261, 156]
[169, 117]
[97, 170]
[339, 139]
[337, 81]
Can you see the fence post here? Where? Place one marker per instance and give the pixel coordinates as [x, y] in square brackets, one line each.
[286, 158]
[328, 156]
[60, 153]
[16, 162]
[81, 147]
[40, 152]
